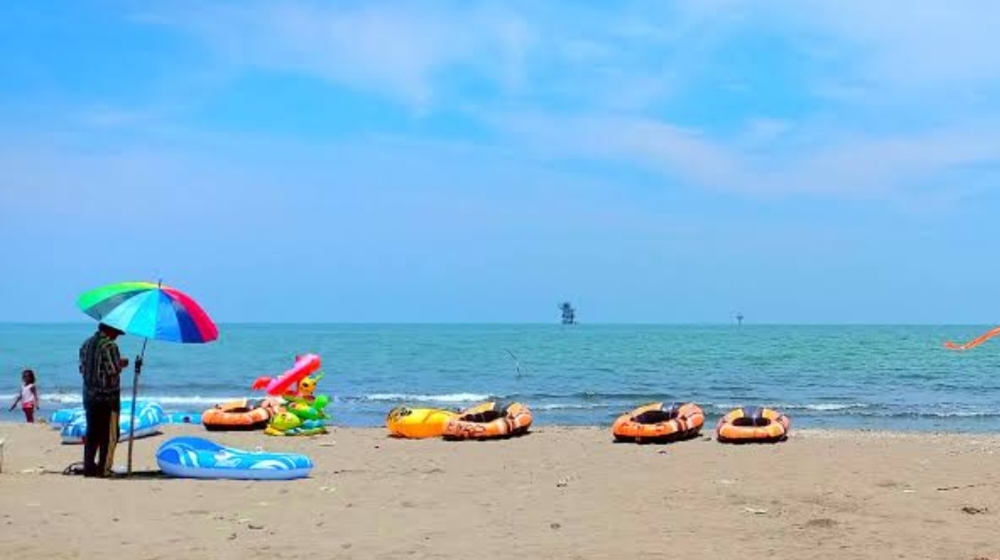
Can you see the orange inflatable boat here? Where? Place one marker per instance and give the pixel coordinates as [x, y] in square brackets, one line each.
[489, 420]
[659, 423]
[753, 424]
[242, 414]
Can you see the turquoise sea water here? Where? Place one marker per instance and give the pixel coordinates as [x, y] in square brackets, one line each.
[880, 377]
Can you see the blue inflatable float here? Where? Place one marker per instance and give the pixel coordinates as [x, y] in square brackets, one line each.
[64, 416]
[194, 457]
[148, 418]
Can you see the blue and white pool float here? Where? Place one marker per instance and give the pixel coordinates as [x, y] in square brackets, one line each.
[148, 419]
[194, 457]
[65, 416]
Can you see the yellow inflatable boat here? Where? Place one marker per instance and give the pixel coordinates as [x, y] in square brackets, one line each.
[418, 423]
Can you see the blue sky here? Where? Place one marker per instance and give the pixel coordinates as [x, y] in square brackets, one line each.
[829, 161]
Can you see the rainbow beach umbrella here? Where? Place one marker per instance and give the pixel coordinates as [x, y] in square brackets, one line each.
[152, 311]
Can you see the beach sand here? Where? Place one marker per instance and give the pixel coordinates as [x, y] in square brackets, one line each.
[556, 493]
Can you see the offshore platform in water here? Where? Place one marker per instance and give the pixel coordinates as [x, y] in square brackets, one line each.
[568, 313]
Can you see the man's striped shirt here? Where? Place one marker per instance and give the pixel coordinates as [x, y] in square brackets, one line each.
[99, 357]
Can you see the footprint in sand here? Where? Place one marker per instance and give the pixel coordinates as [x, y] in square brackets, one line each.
[821, 523]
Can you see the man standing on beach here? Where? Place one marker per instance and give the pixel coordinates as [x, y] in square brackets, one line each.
[101, 365]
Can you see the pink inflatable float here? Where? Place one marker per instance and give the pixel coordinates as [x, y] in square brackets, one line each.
[277, 386]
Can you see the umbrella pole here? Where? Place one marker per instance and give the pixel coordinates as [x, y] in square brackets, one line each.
[135, 391]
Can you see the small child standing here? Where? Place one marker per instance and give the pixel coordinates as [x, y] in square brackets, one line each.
[28, 397]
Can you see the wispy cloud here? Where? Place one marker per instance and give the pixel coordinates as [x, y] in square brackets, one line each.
[763, 131]
[928, 46]
[110, 117]
[811, 160]
[623, 57]
[695, 147]
[396, 49]
[896, 102]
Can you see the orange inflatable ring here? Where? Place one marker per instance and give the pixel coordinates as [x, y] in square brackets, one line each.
[659, 423]
[753, 424]
[242, 414]
[489, 420]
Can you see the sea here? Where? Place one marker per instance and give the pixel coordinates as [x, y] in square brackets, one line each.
[836, 376]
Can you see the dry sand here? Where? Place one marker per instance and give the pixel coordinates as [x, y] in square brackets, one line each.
[556, 493]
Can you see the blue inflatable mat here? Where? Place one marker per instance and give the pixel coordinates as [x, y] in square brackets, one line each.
[194, 457]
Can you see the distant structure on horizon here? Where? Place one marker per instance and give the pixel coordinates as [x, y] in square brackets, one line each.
[739, 318]
[568, 313]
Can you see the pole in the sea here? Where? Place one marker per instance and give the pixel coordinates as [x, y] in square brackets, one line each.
[517, 364]
[568, 313]
[739, 318]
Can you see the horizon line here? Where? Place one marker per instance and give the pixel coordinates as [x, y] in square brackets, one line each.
[540, 323]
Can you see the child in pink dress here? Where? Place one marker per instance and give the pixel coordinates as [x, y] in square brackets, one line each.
[28, 396]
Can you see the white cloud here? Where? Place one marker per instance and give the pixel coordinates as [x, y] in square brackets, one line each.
[922, 44]
[245, 185]
[625, 57]
[406, 51]
[397, 49]
[816, 160]
[606, 68]
[882, 56]
[763, 130]
[110, 117]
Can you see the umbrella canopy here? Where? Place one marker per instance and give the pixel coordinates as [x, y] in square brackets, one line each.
[149, 310]
[152, 311]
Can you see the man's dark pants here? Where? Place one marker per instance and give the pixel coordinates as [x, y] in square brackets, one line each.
[102, 436]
